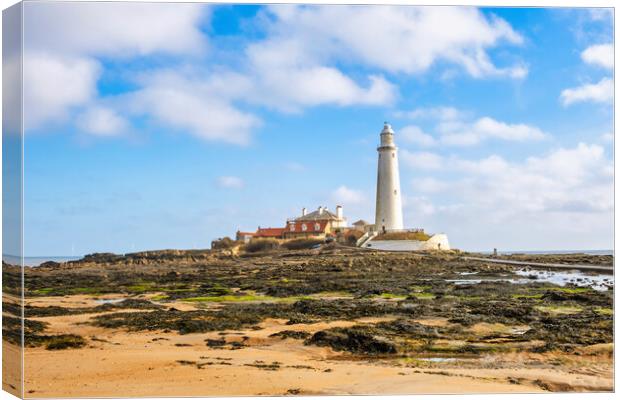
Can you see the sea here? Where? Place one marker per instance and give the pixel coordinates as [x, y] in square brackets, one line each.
[588, 252]
[36, 261]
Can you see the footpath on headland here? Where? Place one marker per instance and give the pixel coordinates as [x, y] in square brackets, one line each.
[600, 268]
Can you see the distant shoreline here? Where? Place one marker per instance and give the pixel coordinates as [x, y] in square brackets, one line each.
[36, 261]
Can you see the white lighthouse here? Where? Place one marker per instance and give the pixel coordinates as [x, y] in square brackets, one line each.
[389, 210]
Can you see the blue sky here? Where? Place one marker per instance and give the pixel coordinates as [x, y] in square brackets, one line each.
[155, 126]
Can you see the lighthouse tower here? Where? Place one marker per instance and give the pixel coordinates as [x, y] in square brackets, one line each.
[389, 210]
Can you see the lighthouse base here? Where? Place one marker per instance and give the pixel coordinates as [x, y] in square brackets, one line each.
[436, 242]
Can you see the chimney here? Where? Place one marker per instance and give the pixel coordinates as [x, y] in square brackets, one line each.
[339, 212]
[304, 212]
[320, 210]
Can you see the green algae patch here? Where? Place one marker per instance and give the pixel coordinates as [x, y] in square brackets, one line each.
[320, 295]
[570, 290]
[389, 296]
[144, 287]
[43, 291]
[575, 290]
[245, 298]
[228, 298]
[604, 310]
[422, 296]
[68, 291]
[526, 296]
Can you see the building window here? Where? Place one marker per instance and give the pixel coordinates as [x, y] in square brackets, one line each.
[317, 227]
[304, 227]
[395, 191]
[292, 226]
[393, 155]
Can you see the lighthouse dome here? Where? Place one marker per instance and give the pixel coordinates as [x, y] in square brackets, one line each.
[387, 129]
[387, 136]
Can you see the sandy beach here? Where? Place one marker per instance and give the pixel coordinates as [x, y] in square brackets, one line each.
[159, 363]
[154, 355]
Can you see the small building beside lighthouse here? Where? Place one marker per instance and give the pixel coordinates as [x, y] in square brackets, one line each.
[389, 208]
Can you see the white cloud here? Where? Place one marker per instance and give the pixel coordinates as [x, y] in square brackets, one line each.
[601, 92]
[201, 103]
[455, 127]
[202, 115]
[65, 41]
[230, 182]
[291, 89]
[346, 196]
[54, 85]
[296, 65]
[487, 128]
[293, 81]
[560, 200]
[207, 103]
[601, 14]
[555, 182]
[413, 134]
[422, 160]
[395, 39]
[114, 29]
[101, 121]
[293, 64]
[600, 54]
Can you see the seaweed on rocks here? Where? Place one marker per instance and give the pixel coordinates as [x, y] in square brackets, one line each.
[12, 329]
[215, 343]
[585, 328]
[591, 297]
[400, 286]
[50, 311]
[502, 311]
[288, 334]
[357, 339]
[32, 329]
[183, 322]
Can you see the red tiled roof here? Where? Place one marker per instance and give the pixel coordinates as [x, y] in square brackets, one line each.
[269, 232]
[306, 226]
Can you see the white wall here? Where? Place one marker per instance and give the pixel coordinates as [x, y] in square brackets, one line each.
[436, 242]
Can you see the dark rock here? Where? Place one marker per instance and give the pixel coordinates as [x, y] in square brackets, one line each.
[355, 340]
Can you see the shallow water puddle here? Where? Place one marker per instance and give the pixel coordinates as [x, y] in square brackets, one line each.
[471, 281]
[561, 278]
[108, 301]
